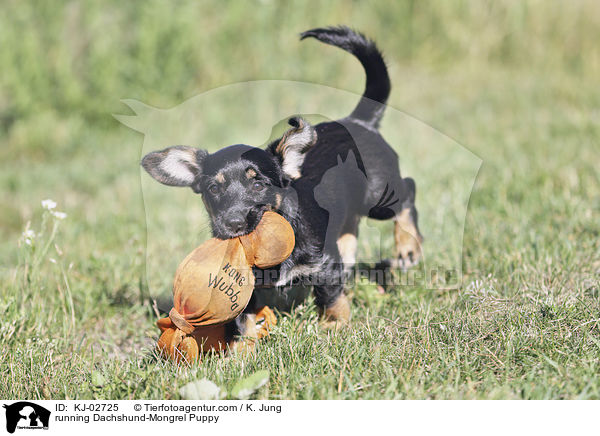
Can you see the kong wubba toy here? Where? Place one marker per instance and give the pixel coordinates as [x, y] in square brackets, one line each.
[213, 285]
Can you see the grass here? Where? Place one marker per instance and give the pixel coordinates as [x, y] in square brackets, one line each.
[515, 83]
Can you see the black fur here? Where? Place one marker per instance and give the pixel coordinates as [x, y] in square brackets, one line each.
[378, 86]
[322, 179]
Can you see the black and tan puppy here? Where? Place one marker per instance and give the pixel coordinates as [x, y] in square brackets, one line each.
[323, 179]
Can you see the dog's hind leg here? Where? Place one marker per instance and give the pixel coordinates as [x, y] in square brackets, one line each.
[407, 237]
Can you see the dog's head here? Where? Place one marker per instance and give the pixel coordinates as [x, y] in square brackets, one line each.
[237, 183]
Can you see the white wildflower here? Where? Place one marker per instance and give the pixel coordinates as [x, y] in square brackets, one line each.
[52, 260]
[48, 204]
[28, 236]
[59, 215]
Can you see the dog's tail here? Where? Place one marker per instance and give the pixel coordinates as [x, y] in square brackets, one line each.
[372, 104]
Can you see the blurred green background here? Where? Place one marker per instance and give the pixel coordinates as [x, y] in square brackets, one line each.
[66, 65]
[516, 82]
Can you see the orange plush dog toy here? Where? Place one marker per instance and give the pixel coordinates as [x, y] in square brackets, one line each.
[214, 284]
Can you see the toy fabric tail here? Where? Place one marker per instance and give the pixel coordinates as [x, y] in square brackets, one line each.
[372, 104]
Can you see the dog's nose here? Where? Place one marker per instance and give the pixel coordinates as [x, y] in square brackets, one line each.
[236, 223]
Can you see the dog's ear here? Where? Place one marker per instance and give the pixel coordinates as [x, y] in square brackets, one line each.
[175, 166]
[291, 149]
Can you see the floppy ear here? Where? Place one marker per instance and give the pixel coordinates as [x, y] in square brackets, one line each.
[175, 166]
[292, 147]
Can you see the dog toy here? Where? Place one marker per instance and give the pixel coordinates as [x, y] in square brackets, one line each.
[214, 284]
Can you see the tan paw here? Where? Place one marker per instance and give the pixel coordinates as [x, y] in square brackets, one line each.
[408, 241]
[337, 314]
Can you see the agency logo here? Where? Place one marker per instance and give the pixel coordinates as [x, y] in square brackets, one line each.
[26, 415]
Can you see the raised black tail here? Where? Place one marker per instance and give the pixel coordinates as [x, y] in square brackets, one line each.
[372, 104]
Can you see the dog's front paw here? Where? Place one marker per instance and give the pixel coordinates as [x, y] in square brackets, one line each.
[242, 347]
[337, 314]
[332, 325]
[265, 319]
[255, 326]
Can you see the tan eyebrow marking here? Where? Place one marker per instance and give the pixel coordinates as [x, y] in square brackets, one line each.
[220, 178]
[250, 173]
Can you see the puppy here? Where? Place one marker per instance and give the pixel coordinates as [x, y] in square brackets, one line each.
[323, 179]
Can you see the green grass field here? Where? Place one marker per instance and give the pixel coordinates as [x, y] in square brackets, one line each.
[516, 83]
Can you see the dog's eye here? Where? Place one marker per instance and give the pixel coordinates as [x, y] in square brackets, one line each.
[258, 186]
[213, 189]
